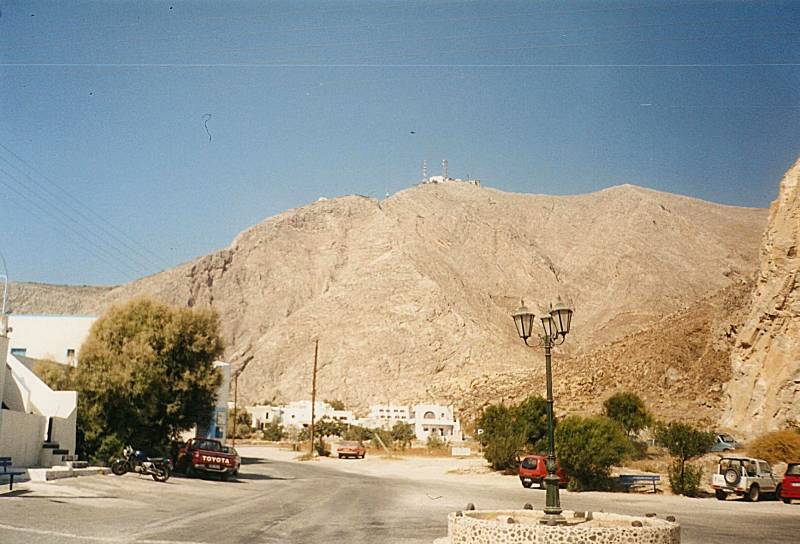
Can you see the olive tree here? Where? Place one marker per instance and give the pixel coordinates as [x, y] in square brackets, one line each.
[402, 434]
[146, 374]
[684, 442]
[629, 411]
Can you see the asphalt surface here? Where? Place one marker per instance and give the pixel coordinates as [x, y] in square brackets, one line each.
[306, 503]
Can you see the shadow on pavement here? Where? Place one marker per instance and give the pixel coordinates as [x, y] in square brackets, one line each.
[15, 493]
[251, 476]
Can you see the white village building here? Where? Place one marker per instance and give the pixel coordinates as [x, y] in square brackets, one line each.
[297, 414]
[37, 424]
[427, 419]
[53, 337]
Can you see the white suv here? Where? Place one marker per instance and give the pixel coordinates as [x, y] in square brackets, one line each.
[745, 477]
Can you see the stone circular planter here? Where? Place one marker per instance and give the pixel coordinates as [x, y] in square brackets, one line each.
[524, 527]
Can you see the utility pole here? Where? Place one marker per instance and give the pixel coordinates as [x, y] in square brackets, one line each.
[236, 392]
[314, 394]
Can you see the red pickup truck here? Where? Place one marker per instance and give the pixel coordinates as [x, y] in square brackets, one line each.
[207, 455]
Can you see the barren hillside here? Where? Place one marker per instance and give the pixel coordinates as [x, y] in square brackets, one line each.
[415, 291]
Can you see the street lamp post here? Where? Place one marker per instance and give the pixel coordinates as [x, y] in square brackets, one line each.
[556, 325]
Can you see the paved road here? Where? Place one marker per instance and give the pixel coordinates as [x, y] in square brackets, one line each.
[307, 503]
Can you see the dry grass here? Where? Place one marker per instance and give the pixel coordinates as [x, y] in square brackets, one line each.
[776, 447]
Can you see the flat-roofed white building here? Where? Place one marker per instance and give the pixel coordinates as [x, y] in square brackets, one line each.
[296, 414]
[391, 412]
[37, 424]
[53, 337]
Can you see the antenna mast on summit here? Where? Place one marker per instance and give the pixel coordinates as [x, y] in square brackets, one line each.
[424, 170]
[444, 169]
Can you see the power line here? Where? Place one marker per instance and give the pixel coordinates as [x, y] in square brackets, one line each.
[53, 207]
[91, 249]
[93, 217]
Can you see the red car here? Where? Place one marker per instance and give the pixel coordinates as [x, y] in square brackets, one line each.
[533, 469]
[209, 456]
[790, 487]
[351, 448]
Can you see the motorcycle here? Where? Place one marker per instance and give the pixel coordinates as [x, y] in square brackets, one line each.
[136, 461]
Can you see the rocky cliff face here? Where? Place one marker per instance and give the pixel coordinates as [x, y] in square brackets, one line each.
[411, 296]
[764, 392]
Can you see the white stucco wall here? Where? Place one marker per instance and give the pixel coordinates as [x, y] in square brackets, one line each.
[48, 336]
[36, 396]
[21, 437]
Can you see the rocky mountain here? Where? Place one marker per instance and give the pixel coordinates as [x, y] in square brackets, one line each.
[764, 392]
[411, 296]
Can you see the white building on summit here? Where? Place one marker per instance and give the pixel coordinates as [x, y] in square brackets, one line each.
[444, 178]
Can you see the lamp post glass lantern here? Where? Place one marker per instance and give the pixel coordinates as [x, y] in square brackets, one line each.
[555, 326]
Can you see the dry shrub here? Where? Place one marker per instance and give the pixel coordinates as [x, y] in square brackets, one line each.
[777, 446]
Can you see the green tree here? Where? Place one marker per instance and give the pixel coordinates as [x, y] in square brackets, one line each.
[329, 427]
[684, 442]
[532, 415]
[354, 432]
[629, 411]
[335, 404]
[403, 434]
[273, 431]
[501, 436]
[587, 447]
[145, 375]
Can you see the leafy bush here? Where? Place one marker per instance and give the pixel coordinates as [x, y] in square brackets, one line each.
[683, 442]
[684, 479]
[587, 447]
[273, 432]
[503, 438]
[402, 434]
[777, 446]
[629, 411]
[57, 376]
[435, 442]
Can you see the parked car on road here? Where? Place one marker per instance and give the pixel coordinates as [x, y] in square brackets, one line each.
[351, 448]
[533, 469]
[790, 487]
[725, 442]
[209, 456]
[745, 477]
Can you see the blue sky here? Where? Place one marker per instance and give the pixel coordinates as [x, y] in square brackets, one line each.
[107, 172]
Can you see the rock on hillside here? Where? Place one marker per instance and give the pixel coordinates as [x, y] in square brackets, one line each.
[416, 290]
[764, 393]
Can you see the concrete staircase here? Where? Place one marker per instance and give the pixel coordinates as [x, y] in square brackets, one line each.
[51, 454]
